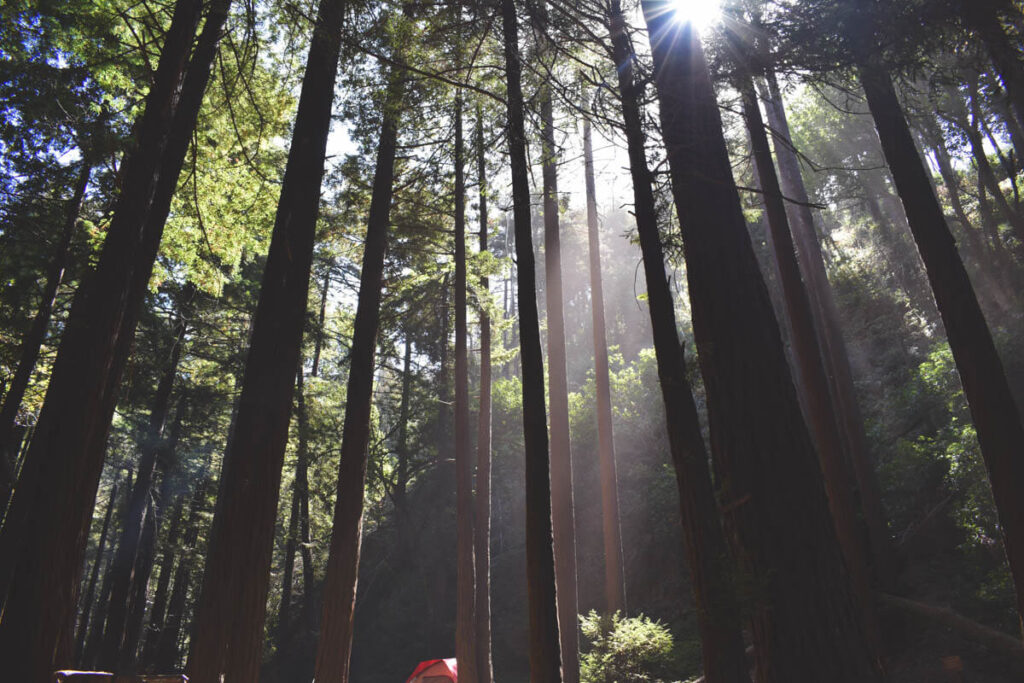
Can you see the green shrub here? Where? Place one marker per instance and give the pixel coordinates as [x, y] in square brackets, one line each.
[625, 650]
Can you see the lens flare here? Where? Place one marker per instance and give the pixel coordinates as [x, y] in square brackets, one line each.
[701, 13]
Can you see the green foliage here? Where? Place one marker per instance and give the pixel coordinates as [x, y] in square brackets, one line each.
[625, 649]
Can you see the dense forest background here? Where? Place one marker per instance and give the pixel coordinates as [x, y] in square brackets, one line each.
[142, 461]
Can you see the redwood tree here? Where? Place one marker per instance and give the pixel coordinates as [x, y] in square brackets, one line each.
[228, 629]
[545, 664]
[614, 583]
[482, 521]
[803, 617]
[334, 648]
[710, 567]
[32, 342]
[42, 543]
[465, 581]
[563, 521]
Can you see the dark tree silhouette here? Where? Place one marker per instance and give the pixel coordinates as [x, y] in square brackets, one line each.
[228, 628]
[41, 544]
[804, 620]
[545, 664]
[710, 567]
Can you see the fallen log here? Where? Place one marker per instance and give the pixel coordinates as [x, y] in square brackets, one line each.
[967, 628]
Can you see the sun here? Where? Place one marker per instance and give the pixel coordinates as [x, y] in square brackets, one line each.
[701, 13]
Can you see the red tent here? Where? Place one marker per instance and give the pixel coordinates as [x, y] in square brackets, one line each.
[435, 671]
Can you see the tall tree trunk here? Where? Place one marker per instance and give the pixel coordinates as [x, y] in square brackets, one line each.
[32, 343]
[298, 522]
[444, 403]
[485, 669]
[614, 582]
[114, 634]
[837, 358]
[158, 614]
[545, 662]
[318, 340]
[90, 592]
[94, 639]
[335, 644]
[465, 609]
[167, 652]
[228, 626]
[284, 611]
[804, 619]
[403, 468]
[996, 417]
[302, 488]
[822, 416]
[711, 568]
[42, 544]
[140, 589]
[563, 521]
[167, 466]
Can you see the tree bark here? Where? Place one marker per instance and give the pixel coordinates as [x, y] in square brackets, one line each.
[32, 343]
[42, 544]
[711, 569]
[614, 582]
[545, 663]
[485, 669]
[996, 418]
[90, 592]
[804, 620]
[335, 645]
[465, 599]
[228, 626]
